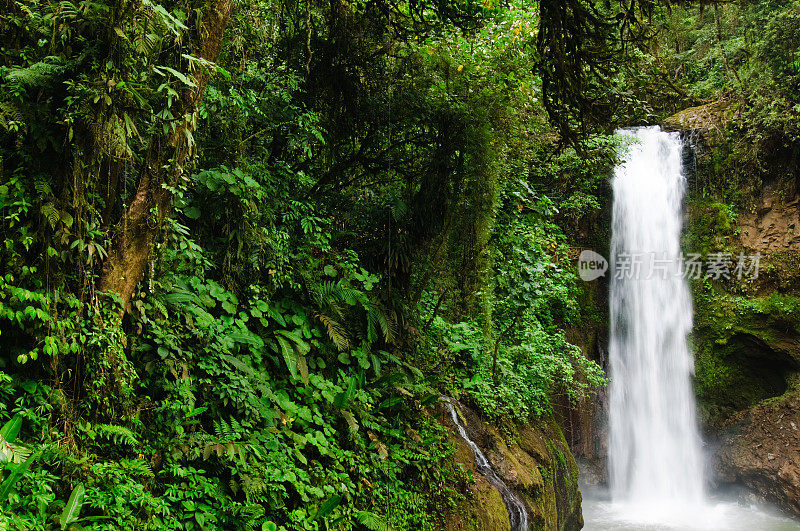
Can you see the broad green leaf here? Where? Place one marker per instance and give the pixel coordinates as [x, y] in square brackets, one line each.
[73, 507]
[327, 508]
[289, 355]
[16, 474]
[182, 77]
[10, 429]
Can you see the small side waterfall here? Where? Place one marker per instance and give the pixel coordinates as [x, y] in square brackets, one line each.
[655, 461]
[517, 513]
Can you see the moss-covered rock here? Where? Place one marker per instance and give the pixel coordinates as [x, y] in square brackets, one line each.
[745, 349]
[709, 119]
[534, 461]
[483, 507]
[747, 342]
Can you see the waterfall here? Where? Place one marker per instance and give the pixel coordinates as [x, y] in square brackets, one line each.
[655, 461]
[517, 514]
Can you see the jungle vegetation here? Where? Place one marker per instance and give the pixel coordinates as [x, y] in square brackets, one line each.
[247, 244]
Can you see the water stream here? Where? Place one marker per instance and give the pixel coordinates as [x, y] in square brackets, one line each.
[656, 469]
[517, 513]
[654, 448]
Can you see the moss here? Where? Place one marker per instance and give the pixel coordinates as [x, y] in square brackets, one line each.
[711, 226]
[745, 349]
[783, 267]
[493, 513]
[729, 380]
[772, 319]
[534, 460]
[483, 508]
[559, 501]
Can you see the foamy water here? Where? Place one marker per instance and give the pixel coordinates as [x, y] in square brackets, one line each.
[718, 513]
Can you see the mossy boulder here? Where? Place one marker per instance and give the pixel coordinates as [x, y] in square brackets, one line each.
[706, 121]
[533, 460]
[483, 507]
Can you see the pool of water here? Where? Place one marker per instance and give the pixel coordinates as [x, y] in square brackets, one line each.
[723, 511]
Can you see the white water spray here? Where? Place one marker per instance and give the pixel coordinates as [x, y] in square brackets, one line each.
[655, 463]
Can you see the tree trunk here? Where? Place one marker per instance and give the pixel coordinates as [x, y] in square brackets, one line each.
[166, 156]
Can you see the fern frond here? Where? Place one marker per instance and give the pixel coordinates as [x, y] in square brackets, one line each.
[328, 295]
[372, 521]
[67, 10]
[335, 331]
[117, 434]
[224, 431]
[38, 74]
[43, 188]
[51, 214]
[9, 113]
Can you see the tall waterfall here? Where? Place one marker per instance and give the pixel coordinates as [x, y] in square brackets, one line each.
[654, 453]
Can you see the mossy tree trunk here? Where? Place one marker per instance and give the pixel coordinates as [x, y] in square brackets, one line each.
[167, 155]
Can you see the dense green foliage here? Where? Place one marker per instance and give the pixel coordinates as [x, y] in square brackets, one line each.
[741, 58]
[333, 213]
[364, 214]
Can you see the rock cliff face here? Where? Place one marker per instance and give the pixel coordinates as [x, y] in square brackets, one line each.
[762, 450]
[758, 430]
[747, 343]
[773, 224]
[534, 461]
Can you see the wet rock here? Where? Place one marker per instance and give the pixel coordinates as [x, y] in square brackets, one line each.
[534, 461]
[762, 450]
[708, 119]
[773, 222]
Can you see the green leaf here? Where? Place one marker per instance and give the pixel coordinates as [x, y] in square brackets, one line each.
[342, 399]
[372, 521]
[11, 429]
[301, 346]
[327, 508]
[430, 399]
[389, 402]
[73, 507]
[182, 77]
[16, 474]
[288, 355]
[191, 212]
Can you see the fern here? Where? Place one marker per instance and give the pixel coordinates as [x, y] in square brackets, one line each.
[38, 74]
[329, 296]
[375, 316]
[67, 10]
[9, 113]
[51, 214]
[117, 434]
[372, 521]
[224, 431]
[335, 331]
